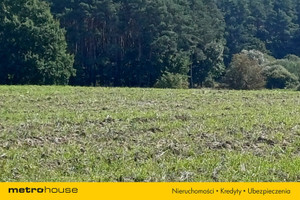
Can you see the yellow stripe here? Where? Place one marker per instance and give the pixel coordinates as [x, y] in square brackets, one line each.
[153, 191]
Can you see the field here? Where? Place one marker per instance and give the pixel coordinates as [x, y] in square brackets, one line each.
[122, 134]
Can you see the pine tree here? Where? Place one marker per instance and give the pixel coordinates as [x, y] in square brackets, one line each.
[33, 46]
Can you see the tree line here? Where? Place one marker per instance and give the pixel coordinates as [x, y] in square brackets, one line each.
[140, 43]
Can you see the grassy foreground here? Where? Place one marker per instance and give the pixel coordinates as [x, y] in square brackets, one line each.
[113, 134]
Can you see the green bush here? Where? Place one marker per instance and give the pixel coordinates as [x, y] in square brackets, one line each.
[244, 73]
[279, 77]
[172, 80]
[209, 82]
[291, 63]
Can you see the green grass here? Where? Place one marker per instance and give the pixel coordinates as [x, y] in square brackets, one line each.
[121, 134]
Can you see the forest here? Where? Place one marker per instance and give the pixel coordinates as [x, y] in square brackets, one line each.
[240, 44]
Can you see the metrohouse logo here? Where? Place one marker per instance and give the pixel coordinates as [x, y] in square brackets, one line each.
[44, 190]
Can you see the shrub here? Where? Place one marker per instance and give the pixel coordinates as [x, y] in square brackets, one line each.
[279, 77]
[209, 82]
[172, 80]
[291, 63]
[260, 57]
[244, 73]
